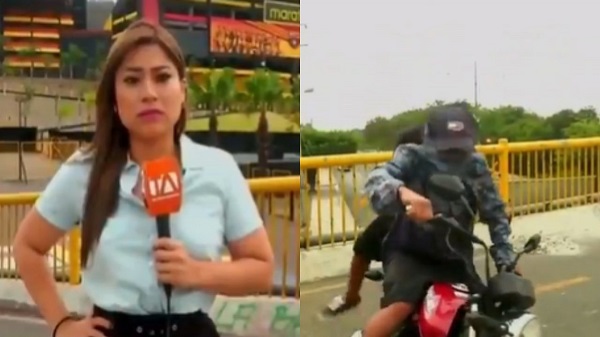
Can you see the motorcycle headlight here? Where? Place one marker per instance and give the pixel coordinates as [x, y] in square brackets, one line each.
[533, 328]
[357, 333]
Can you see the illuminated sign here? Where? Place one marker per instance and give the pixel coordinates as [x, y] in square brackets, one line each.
[241, 37]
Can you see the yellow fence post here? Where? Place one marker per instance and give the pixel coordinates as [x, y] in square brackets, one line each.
[74, 256]
[503, 165]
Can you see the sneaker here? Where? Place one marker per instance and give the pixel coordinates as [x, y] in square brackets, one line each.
[338, 305]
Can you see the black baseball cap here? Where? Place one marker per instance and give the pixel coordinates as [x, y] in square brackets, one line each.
[451, 127]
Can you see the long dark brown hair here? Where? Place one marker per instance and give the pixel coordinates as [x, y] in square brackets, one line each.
[110, 145]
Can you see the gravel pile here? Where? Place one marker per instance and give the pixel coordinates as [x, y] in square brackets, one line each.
[550, 245]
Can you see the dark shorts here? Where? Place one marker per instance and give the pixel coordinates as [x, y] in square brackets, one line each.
[369, 244]
[407, 277]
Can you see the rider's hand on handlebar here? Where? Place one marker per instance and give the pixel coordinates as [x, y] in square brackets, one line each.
[517, 271]
[418, 208]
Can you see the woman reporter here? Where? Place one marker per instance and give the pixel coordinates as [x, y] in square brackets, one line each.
[140, 114]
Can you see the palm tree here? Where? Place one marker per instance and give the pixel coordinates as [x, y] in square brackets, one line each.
[29, 53]
[28, 95]
[47, 60]
[217, 94]
[70, 58]
[265, 92]
[7, 71]
[290, 105]
[96, 62]
[227, 93]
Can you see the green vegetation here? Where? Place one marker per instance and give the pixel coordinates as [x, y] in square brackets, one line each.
[512, 122]
[264, 106]
[322, 143]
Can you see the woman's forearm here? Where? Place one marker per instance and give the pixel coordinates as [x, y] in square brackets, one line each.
[35, 273]
[236, 278]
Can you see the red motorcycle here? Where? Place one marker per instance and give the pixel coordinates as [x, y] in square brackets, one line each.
[452, 310]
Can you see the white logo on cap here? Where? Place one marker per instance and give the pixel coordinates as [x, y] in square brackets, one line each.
[456, 126]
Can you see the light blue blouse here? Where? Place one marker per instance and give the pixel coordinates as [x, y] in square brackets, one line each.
[217, 207]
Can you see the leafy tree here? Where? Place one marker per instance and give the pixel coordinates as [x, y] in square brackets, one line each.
[292, 101]
[265, 91]
[319, 143]
[28, 53]
[514, 123]
[583, 128]
[71, 58]
[217, 93]
[7, 71]
[511, 122]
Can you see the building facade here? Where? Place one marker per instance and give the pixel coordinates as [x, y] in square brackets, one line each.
[240, 34]
[219, 33]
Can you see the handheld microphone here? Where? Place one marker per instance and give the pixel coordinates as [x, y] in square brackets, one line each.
[162, 188]
[162, 196]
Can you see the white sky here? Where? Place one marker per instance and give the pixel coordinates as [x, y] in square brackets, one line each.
[379, 57]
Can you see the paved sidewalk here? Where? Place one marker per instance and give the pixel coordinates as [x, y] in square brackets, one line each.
[251, 316]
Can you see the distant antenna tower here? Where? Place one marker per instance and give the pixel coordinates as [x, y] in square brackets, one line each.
[475, 88]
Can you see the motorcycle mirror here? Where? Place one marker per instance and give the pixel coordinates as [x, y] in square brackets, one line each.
[532, 244]
[447, 186]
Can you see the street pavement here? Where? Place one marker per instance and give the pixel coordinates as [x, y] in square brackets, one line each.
[568, 301]
[23, 327]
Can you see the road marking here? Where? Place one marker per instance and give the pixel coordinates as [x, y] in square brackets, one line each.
[560, 285]
[540, 289]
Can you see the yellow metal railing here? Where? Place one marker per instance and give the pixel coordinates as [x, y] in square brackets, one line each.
[531, 177]
[278, 200]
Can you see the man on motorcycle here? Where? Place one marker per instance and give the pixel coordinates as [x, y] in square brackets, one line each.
[416, 254]
[369, 244]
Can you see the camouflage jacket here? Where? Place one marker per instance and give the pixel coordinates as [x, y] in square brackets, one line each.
[408, 164]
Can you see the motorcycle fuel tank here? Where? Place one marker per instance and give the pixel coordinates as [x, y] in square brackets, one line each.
[440, 307]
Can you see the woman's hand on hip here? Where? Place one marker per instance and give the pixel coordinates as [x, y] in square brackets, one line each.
[173, 263]
[88, 326]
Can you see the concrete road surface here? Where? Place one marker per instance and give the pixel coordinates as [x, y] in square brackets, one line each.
[568, 298]
[22, 327]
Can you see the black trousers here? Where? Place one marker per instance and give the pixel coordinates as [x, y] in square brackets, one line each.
[196, 324]
[408, 276]
[369, 244]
